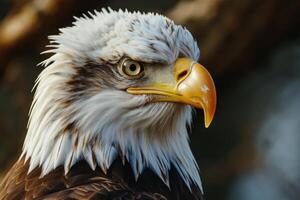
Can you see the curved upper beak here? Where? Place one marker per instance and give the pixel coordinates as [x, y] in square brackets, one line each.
[194, 86]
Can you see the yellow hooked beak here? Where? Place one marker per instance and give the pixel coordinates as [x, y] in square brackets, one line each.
[194, 86]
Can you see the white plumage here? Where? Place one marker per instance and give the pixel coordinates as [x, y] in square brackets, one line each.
[107, 121]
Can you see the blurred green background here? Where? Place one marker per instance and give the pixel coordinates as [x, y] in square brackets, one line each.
[252, 49]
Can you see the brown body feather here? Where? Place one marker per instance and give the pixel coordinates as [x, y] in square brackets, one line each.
[84, 183]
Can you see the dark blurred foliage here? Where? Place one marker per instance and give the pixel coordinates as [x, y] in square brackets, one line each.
[251, 47]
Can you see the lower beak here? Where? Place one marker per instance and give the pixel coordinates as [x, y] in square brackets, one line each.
[194, 86]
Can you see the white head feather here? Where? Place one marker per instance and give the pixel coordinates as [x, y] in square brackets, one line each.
[69, 124]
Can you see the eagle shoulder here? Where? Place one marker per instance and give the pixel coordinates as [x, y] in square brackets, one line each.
[80, 183]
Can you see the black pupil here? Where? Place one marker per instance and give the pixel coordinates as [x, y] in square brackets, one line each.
[132, 67]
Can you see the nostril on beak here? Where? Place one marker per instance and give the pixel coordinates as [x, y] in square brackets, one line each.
[181, 75]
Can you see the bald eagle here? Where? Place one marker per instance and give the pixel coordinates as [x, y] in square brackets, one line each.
[111, 111]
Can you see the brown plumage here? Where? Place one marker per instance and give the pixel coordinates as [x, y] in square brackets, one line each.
[83, 183]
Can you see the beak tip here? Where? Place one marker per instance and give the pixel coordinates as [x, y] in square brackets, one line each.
[208, 116]
[207, 123]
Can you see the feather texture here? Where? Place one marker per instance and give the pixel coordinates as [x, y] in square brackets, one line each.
[84, 183]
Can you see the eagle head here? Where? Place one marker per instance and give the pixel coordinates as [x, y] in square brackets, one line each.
[119, 84]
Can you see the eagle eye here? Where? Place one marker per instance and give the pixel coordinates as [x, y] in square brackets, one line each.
[131, 69]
